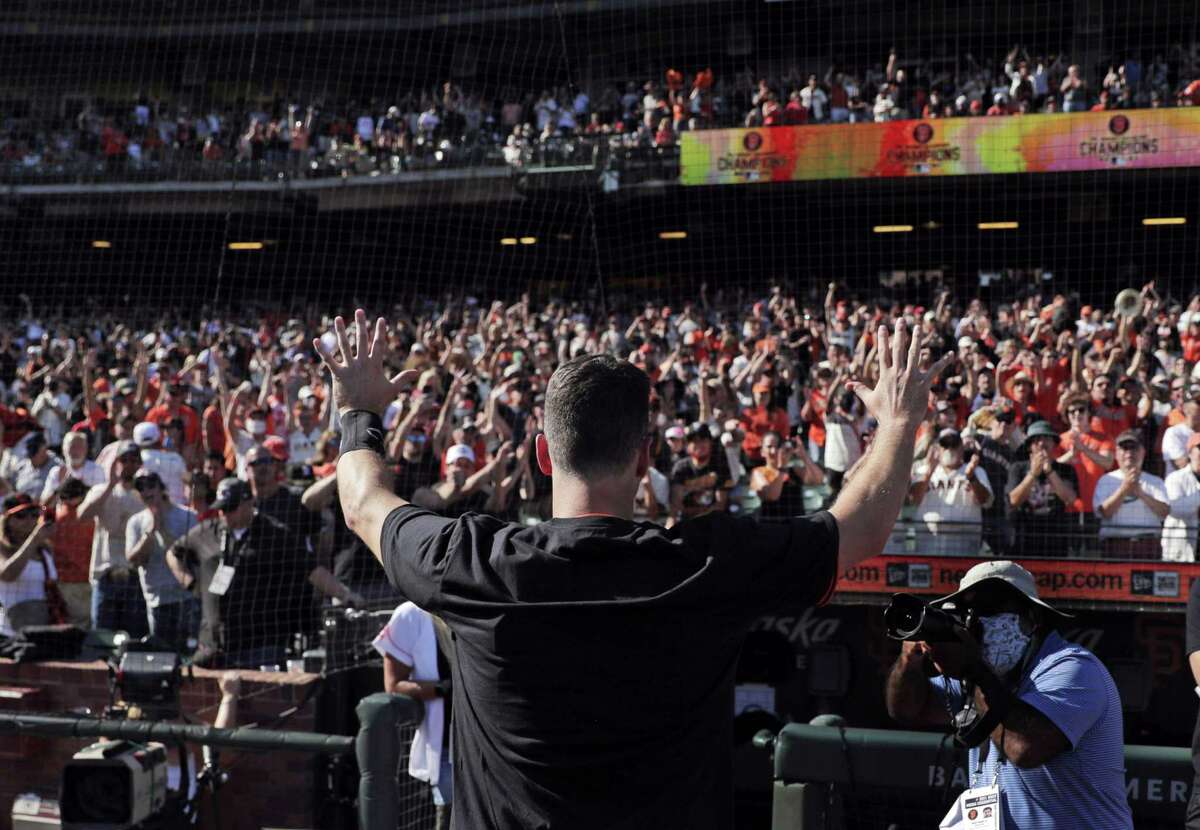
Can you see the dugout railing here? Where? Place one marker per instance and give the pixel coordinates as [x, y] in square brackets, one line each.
[388, 799]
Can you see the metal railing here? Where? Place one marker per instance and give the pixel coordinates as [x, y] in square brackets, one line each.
[598, 153]
[378, 747]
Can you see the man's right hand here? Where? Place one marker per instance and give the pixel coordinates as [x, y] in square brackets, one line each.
[360, 378]
[901, 396]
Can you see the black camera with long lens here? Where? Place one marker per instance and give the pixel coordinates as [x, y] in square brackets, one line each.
[909, 617]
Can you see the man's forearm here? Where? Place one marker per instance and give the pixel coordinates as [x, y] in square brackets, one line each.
[362, 475]
[867, 508]
[907, 690]
[1021, 492]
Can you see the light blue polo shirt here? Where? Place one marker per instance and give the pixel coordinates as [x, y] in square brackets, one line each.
[1082, 787]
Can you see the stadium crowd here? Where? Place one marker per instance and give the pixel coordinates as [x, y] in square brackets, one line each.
[142, 462]
[457, 125]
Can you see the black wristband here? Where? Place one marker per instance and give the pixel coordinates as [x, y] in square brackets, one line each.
[362, 430]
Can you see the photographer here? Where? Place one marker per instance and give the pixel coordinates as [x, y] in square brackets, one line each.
[1042, 716]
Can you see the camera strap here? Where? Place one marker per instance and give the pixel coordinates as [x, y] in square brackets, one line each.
[973, 728]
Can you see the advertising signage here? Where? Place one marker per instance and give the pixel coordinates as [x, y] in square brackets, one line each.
[1054, 143]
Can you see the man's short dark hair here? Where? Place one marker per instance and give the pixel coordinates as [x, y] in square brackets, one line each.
[597, 413]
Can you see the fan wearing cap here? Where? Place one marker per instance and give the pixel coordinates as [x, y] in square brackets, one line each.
[1040, 489]
[305, 427]
[662, 612]
[1131, 504]
[246, 425]
[265, 476]
[950, 497]
[117, 601]
[997, 456]
[762, 418]
[700, 482]
[1056, 746]
[72, 543]
[169, 464]
[1183, 497]
[673, 450]
[1023, 394]
[33, 471]
[1108, 416]
[173, 404]
[174, 613]
[463, 488]
[1089, 452]
[26, 563]
[252, 575]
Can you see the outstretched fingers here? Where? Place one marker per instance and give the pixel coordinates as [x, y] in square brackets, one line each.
[360, 334]
[327, 356]
[343, 342]
[883, 350]
[899, 343]
[936, 369]
[379, 340]
[404, 379]
[914, 349]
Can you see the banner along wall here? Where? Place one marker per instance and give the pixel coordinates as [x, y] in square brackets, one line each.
[1060, 142]
[1143, 583]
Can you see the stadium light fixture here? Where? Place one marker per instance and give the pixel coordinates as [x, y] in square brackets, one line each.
[528, 240]
[892, 228]
[999, 226]
[931, 225]
[246, 246]
[673, 235]
[508, 240]
[101, 243]
[1165, 220]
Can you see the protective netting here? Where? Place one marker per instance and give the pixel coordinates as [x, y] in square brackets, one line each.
[731, 195]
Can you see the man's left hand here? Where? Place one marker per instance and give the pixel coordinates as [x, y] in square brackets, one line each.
[956, 659]
[360, 378]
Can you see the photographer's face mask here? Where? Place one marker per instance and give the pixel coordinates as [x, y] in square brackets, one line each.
[1004, 641]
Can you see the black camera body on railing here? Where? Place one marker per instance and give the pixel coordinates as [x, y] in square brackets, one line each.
[908, 617]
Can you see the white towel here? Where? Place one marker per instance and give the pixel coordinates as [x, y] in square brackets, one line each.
[409, 638]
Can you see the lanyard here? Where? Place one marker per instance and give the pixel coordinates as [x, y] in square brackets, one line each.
[1000, 760]
[232, 547]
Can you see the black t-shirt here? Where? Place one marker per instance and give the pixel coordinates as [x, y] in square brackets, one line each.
[267, 600]
[595, 657]
[1193, 645]
[411, 476]
[790, 502]
[685, 470]
[286, 508]
[996, 460]
[353, 563]
[1042, 502]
